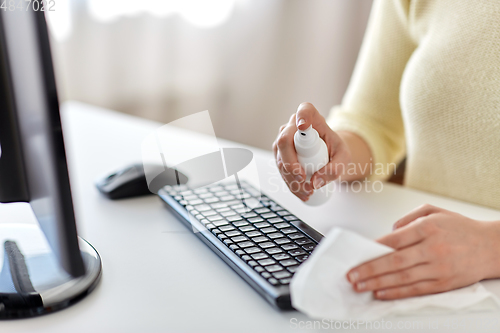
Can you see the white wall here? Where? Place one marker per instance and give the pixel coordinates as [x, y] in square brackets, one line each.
[250, 72]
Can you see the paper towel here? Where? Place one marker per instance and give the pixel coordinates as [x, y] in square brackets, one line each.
[320, 289]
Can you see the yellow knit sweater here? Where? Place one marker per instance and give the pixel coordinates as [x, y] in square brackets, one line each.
[427, 85]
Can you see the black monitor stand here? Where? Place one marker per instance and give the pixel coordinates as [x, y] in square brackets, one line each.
[32, 282]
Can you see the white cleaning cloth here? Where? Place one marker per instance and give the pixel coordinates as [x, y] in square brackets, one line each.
[320, 288]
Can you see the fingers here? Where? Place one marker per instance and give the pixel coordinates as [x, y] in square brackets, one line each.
[286, 149]
[397, 279]
[404, 237]
[308, 115]
[421, 211]
[301, 189]
[391, 262]
[415, 289]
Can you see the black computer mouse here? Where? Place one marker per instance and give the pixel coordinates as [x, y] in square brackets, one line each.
[131, 181]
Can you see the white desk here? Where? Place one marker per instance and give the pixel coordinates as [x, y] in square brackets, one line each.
[158, 277]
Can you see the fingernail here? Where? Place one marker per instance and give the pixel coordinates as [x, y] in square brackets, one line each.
[301, 122]
[304, 194]
[353, 276]
[318, 182]
[299, 178]
[380, 293]
[361, 286]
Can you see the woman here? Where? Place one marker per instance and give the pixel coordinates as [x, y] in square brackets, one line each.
[427, 86]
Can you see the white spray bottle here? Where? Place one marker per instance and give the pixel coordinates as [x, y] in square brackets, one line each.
[312, 154]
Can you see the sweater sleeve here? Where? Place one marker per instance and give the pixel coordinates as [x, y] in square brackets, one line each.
[370, 108]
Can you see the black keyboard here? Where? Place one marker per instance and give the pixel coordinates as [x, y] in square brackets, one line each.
[265, 244]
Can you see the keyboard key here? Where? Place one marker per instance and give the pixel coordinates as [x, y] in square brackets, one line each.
[246, 257]
[274, 268]
[265, 245]
[253, 263]
[221, 236]
[220, 223]
[292, 269]
[187, 192]
[303, 241]
[266, 275]
[266, 262]
[226, 228]
[249, 215]
[281, 256]
[227, 198]
[302, 258]
[255, 219]
[282, 275]
[200, 190]
[234, 247]
[219, 205]
[274, 250]
[289, 262]
[239, 239]
[285, 281]
[202, 208]
[289, 247]
[222, 193]
[297, 252]
[216, 231]
[233, 218]
[273, 281]
[211, 200]
[214, 218]
[260, 239]
[259, 256]
[228, 242]
[253, 249]
[281, 225]
[290, 217]
[234, 203]
[209, 212]
[209, 226]
[262, 225]
[309, 247]
[295, 236]
[240, 252]
[259, 269]
[194, 202]
[240, 223]
[288, 230]
[282, 212]
[247, 228]
[276, 208]
[233, 233]
[268, 230]
[281, 241]
[262, 210]
[253, 234]
[275, 235]
[246, 244]
[226, 213]
[269, 215]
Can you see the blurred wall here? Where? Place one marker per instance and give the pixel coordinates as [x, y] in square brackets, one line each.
[250, 72]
